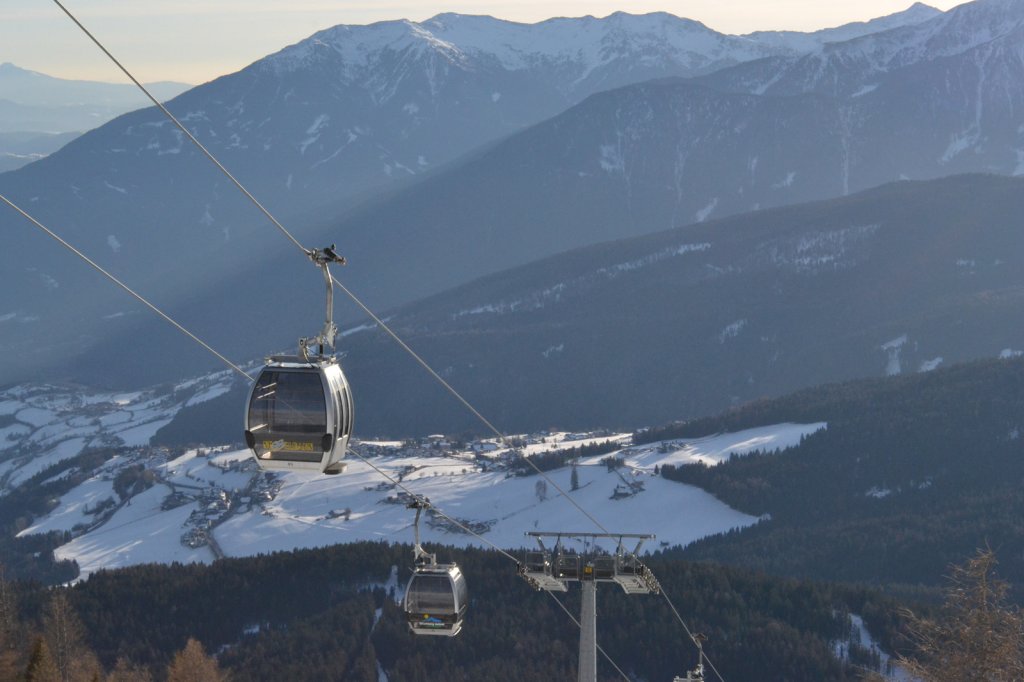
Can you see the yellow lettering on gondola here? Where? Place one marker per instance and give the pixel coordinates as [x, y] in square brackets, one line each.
[287, 445]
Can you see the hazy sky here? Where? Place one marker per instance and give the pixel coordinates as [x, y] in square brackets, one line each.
[197, 40]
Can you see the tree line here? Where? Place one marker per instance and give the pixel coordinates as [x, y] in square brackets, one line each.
[330, 614]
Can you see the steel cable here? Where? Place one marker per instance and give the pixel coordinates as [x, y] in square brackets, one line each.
[241, 371]
[377, 320]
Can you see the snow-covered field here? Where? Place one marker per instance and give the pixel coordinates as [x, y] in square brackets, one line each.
[204, 504]
[53, 423]
[230, 508]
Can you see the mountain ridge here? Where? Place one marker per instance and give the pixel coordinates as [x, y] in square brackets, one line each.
[624, 161]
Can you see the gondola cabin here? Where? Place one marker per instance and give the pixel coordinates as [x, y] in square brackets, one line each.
[435, 600]
[299, 415]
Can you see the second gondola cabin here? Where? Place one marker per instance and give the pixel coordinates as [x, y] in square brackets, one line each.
[435, 600]
[299, 415]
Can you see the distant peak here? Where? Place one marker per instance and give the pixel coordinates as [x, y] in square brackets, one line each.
[921, 9]
[454, 18]
[10, 69]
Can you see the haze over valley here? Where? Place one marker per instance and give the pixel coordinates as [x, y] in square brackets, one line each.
[760, 296]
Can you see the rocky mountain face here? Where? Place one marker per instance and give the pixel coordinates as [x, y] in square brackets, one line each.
[331, 119]
[901, 279]
[941, 97]
[978, 31]
[797, 42]
[897, 280]
[354, 109]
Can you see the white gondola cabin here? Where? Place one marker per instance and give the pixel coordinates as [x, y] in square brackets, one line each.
[436, 597]
[299, 415]
[435, 600]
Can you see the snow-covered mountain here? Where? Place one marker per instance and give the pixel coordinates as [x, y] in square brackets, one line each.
[985, 32]
[140, 504]
[938, 98]
[797, 42]
[331, 120]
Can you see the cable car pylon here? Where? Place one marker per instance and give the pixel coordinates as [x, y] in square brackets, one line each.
[552, 570]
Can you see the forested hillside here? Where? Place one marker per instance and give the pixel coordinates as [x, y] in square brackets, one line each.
[911, 475]
[313, 615]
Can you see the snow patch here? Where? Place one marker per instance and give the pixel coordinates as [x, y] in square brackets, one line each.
[361, 328]
[929, 365]
[719, 448]
[703, 213]
[958, 144]
[731, 331]
[113, 243]
[612, 160]
[553, 350]
[209, 394]
[207, 218]
[313, 132]
[1008, 353]
[861, 638]
[865, 90]
[35, 416]
[893, 348]
[787, 181]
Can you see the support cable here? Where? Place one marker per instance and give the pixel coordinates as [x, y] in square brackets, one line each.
[384, 326]
[184, 130]
[124, 286]
[692, 637]
[245, 374]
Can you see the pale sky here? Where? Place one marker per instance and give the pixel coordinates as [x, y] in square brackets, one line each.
[197, 40]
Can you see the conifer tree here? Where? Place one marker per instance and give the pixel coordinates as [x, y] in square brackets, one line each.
[979, 637]
[541, 489]
[192, 664]
[10, 645]
[124, 671]
[41, 666]
[65, 636]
